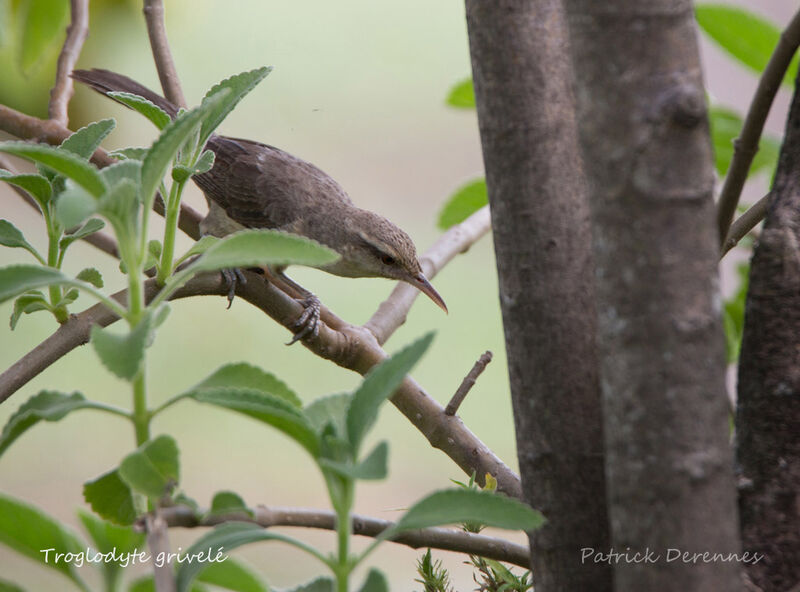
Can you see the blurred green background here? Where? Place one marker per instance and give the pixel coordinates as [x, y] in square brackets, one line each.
[358, 89]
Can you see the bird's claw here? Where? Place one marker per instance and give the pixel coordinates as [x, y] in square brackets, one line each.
[308, 322]
[232, 277]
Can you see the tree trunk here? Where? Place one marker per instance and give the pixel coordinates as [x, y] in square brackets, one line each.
[768, 414]
[645, 140]
[540, 220]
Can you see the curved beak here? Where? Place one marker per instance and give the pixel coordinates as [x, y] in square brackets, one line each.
[421, 283]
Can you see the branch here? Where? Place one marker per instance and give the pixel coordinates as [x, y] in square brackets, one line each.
[468, 383]
[392, 312]
[435, 538]
[158, 541]
[162, 56]
[51, 132]
[76, 35]
[746, 145]
[351, 347]
[745, 223]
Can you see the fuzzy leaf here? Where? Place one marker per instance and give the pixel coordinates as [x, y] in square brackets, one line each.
[11, 236]
[43, 25]
[132, 153]
[28, 303]
[92, 276]
[47, 406]
[122, 354]
[151, 111]
[225, 502]
[375, 582]
[18, 279]
[36, 185]
[199, 247]
[153, 468]
[61, 161]
[28, 530]
[74, 205]
[235, 89]
[262, 247]
[111, 498]
[244, 376]
[452, 506]
[372, 468]
[232, 575]
[90, 227]
[377, 386]
[88, 139]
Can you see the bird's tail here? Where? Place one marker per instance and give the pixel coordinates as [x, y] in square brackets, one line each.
[105, 81]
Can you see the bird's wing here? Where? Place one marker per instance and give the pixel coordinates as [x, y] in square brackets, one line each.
[260, 186]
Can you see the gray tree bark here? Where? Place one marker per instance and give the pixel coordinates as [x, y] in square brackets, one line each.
[645, 140]
[540, 219]
[768, 412]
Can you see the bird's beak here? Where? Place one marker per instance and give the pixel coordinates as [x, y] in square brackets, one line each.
[421, 283]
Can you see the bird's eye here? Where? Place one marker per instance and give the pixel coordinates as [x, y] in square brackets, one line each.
[388, 260]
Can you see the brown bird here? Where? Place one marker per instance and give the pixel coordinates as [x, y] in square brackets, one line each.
[253, 185]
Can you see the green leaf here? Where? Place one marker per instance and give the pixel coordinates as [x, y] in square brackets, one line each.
[122, 354]
[199, 247]
[36, 185]
[63, 162]
[375, 582]
[320, 584]
[132, 153]
[232, 90]
[330, 410]
[225, 502]
[462, 95]
[46, 405]
[92, 276]
[18, 279]
[110, 538]
[90, 227]
[163, 151]
[232, 575]
[452, 506]
[111, 498]
[467, 200]
[377, 386]
[74, 205]
[726, 126]
[43, 26]
[124, 170]
[28, 303]
[372, 468]
[153, 468]
[88, 139]
[265, 407]
[262, 247]
[150, 110]
[11, 236]
[744, 35]
[244, 376]
[221, 540]
[205, 163]
[29, 531]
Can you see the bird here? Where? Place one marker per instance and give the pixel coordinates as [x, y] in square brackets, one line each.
[255, 185]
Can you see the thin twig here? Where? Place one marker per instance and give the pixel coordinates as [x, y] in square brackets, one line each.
[392, 312]
[468, 383]
[156, 528]
[745, 223]
[746, 145]
[435, 538]
[61, 92]
[167, 74]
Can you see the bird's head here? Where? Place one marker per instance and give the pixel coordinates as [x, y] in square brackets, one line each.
[377, 248]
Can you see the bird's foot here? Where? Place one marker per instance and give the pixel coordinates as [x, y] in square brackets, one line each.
[308, 323]
[232, 277]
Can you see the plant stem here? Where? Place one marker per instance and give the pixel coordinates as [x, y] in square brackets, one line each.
[170, 229]
[343, 529]
[53, 261]
[141, 416]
